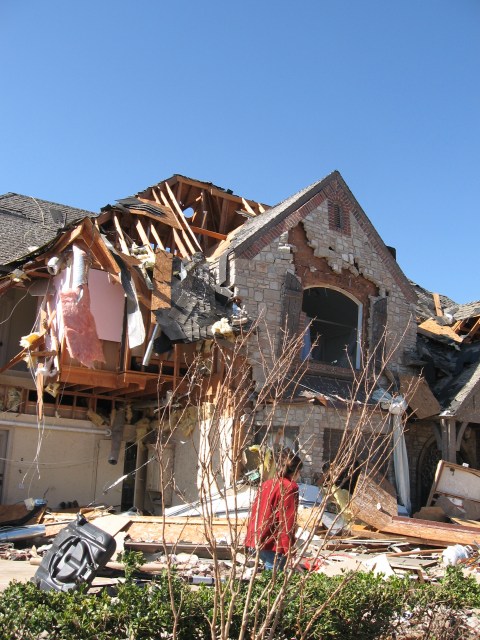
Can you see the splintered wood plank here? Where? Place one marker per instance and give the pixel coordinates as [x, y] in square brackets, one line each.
[176, 236]
[112, 524]
[465, 522]
[95, 245]
[179, 243]
[438, 305]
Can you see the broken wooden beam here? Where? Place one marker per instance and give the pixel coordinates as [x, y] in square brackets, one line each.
[373, 503]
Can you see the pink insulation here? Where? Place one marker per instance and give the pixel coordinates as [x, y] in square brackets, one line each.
[81, 336]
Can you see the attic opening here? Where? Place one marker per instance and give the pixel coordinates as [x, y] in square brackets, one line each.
[335, 321]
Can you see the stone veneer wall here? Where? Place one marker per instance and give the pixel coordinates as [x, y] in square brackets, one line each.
[349, 259]
[318, 429]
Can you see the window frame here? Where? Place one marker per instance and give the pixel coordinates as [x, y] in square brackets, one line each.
[359, 306]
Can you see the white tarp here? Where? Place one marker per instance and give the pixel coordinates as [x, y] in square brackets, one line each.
[400, 459]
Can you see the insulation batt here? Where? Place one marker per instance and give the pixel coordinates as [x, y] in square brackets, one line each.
[81, 336]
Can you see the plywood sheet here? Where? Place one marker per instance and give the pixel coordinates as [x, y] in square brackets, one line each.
[162, 280]
[419, 396]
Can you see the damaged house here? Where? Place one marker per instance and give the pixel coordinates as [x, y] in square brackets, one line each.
[103, 314]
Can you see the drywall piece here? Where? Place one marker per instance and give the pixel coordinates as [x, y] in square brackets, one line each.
[456, 481]
[107, 304]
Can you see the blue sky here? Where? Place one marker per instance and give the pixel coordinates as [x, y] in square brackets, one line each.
[102, 98]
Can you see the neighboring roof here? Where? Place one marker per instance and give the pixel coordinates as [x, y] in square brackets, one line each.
[451, 370]
[28, 223]
[464, 311]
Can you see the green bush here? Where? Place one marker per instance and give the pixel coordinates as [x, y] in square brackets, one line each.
[349, 607]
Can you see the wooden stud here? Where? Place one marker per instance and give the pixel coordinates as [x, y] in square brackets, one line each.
[473, 331]
[438, 306]
[248, 208]
[223, 217]
[156, 237]
[210, 234]
[183, 222]
[121, 237]
[143, 235]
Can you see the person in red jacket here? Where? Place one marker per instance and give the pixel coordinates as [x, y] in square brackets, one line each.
[272, 524]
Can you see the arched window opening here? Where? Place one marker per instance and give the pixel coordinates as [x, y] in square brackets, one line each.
[335, 320]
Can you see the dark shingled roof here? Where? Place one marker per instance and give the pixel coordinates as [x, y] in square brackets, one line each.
[464, 311]
[426, 304]
[27, 223]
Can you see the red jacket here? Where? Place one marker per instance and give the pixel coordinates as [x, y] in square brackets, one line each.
[273, 519]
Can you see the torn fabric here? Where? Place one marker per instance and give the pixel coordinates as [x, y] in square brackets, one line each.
[81, 336]
[397, 408]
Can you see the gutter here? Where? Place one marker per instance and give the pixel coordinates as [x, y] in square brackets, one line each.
[56, 427]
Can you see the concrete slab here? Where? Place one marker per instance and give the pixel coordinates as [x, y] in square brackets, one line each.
[19, 570]
[22, 571]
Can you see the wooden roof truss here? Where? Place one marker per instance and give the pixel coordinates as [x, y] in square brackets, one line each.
[179, 215]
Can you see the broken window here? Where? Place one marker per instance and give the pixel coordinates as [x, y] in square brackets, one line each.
[334, 319]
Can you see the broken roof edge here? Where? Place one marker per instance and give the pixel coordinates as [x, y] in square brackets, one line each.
[202, 184]
[43, 249]
[245, 236]
[60, 240]
[48, 202]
